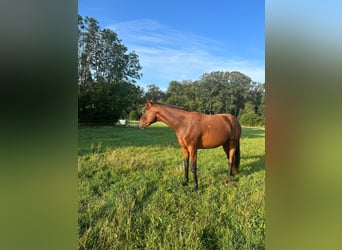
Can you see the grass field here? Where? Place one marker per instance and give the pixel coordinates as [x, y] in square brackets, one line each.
[131, 197]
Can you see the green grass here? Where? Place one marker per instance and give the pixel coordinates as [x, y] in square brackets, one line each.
[131, 197]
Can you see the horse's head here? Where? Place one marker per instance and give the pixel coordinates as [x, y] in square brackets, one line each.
[149, 115]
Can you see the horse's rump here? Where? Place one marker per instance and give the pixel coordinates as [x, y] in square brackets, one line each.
[235, 127]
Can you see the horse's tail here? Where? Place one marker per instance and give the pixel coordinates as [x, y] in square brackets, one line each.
[236, 162]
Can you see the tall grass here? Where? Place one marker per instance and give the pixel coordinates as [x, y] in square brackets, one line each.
[131, 197]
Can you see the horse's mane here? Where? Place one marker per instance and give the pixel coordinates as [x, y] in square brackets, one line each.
[173, 106]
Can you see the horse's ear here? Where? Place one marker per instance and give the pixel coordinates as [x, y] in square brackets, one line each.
[149, 103]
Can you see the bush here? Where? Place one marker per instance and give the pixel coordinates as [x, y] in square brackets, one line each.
[251, 119]
[133, 115]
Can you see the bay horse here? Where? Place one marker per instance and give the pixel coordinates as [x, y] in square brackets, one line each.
[195, 130]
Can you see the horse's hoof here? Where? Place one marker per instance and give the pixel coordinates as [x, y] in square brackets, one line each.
[227, 182]
[230, 183]
[194, 189]
[184, 183]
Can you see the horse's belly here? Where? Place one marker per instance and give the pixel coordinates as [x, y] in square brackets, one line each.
[206, 146]
[213, 139]
[211, 144]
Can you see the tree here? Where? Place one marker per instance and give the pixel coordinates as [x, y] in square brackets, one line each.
[261, 106]
[106, 74]
[115, 64]
[218, 92]
[155, 93]
[107, 102]
[88, 47]
[176, 93]
[248, 117]
[224, 92]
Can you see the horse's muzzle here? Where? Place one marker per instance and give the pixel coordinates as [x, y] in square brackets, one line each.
[141, 126]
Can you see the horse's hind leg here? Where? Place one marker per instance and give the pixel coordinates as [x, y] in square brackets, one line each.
[230, 152]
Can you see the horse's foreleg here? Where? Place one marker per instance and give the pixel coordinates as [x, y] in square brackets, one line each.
[186, 166]
[193, 162]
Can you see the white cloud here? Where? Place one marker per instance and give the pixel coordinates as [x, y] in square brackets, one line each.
[167, 54]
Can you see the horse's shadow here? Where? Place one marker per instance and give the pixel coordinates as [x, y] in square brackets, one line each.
[248, 165]
[254, 164]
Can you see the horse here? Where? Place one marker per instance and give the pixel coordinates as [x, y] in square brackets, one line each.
[195, 130]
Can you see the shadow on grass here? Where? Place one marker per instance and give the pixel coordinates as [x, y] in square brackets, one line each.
[248, 165]
[257, 164]
[252, 132]
[97, 139]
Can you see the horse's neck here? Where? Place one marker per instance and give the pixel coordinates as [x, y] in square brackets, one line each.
[172, 117]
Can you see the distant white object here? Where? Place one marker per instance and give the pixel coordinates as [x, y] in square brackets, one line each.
[123, 122]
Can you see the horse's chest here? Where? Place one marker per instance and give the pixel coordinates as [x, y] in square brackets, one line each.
[189, 137]
[187, 140]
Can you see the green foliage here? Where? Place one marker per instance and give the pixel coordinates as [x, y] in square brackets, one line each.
[249, 117]
[155, 93]
[106, 102]
[217, 92]
[134, 115]
[225, 92]
[106, 74]
[102, 57]
[131, 197]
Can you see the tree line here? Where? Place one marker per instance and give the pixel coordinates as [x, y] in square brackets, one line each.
[108, 90]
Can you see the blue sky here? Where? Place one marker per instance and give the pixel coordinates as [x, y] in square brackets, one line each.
[181, 40]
